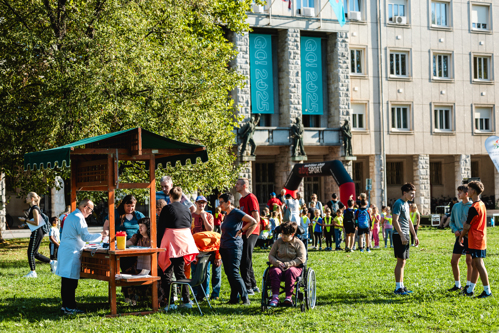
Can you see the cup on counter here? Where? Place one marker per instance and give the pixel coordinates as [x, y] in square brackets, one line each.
[121, 239]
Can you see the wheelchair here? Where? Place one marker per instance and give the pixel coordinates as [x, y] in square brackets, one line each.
[305, 292]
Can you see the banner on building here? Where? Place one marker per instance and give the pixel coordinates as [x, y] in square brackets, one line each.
[492, 146]
[261, 74]
[311, 75]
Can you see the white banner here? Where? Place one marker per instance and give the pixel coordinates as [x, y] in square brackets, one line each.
[492, 146]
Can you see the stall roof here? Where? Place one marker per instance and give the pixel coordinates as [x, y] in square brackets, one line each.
[60, 156]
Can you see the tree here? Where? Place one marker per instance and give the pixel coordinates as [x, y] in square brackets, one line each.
[76, 69]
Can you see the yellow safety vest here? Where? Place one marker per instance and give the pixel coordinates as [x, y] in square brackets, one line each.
[389, 219]
[329, 222]
[339, 221]
[414, 216]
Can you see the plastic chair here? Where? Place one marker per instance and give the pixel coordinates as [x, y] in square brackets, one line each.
[197, 280]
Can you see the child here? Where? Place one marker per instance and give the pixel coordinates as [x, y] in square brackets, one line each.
[362, 221]
[273, 225]
[338, 227]
[143, 239]
[349, 223]
[476, 230]
[305, 223]
[317, 225]
[415, 219]
[54, 237]
[376, 219]
[387, 226]
[218, 219]
[328, 229]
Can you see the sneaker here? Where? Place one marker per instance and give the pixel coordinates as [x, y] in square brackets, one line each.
[246, 302]
[274, 302]
[186, 305]
[320, 248]
[368, 250]
[400, 291]
[407, 291]
[256, 290]
[361, 250]
[385, 246]
[68, 311]
[455, 288]
[391, 246]
[484, 295]
[347, 249]
[31, 274]
[171, 307]
[251, 292]
[288, 301]
[466, 293]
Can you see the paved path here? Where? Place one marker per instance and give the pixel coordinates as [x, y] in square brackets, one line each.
[25, 233]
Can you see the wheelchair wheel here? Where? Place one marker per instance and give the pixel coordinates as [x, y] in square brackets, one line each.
[265, 290]
[311, 293]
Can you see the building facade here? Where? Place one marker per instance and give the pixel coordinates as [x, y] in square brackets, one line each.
[416, 80]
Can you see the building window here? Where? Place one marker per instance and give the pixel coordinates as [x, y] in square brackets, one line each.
[359, 116]
[311, 185]
[483, 119]
[357, 61]
[475, 169]
[436, 173]
[443, 119]
[304, 3]
[440, 14]
[480, 17]
[394, 173]
[311, 121]
[358, 176]
[265, 120]
[396, 9]
[400, 118]
[264, 181]
[481, 68]
[441, 66]
[399, 64]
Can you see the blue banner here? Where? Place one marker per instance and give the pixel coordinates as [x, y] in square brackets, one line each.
[311, 75]
[261, 74]
[339, 10]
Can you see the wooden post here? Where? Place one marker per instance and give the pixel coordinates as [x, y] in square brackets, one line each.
[73, 184]
[152, 213]
[113, 269]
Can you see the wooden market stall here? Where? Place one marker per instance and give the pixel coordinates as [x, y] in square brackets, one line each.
[94, 167]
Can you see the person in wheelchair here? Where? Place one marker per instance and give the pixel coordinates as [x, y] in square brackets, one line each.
[287, 256]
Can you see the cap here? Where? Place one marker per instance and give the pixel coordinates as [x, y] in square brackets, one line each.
[272, 194]
[201, 198]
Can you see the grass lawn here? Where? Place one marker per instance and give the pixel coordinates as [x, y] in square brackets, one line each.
[355, 293]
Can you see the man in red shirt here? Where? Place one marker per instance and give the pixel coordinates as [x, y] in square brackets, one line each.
[273, 200]
[476, 230]
[249, 204]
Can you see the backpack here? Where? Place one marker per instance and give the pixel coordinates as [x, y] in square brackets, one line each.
[363, 218]
[46, 227]
[334, 206]
[348, 216]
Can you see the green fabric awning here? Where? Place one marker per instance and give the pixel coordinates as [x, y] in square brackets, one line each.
[60, 156]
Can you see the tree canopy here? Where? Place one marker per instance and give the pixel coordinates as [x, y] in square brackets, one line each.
[76, 69]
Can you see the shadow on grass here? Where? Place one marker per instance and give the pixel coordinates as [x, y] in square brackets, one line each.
[358, 298]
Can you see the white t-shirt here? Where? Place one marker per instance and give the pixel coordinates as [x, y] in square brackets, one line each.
[54, 232]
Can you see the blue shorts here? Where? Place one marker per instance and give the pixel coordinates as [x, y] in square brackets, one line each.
[476, 253]
[458, 249]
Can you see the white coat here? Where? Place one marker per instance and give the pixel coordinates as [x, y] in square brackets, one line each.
[75, 235]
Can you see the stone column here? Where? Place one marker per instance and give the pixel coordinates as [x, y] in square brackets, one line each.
[422, 183]
[338, 79]
[245, 171]
[283, 167]
[330, 185]
[462, 167]
[58, 200]
[377, 173]
[241, 94]
[3, 211]
[289, 76]
[348, 164]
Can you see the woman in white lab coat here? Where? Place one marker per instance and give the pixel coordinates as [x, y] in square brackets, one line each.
[69, 261]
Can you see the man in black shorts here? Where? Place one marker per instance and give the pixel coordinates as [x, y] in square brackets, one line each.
[402, 225]
[349, 225]
[458, 217]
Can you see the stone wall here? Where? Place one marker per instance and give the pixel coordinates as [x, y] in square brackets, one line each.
[288, 54]
[242, 94]
[283, 166]
[422, 183]
[462, 164]
[338, 79]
